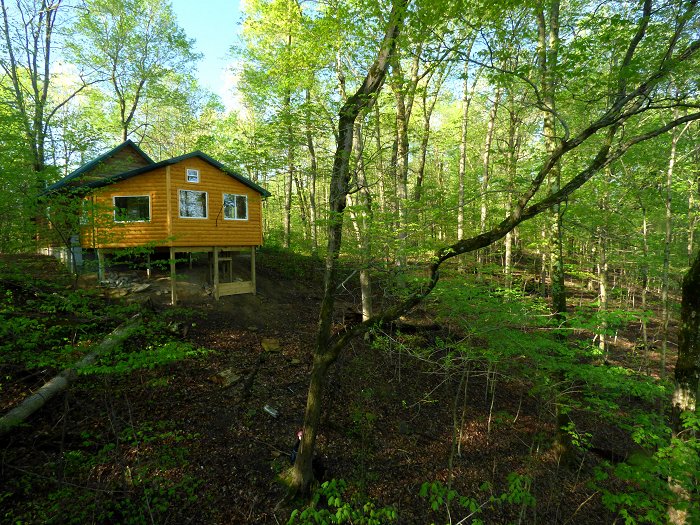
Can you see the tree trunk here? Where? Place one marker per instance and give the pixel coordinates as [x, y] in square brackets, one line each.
[486, 169]
[404, 93]
[401, 173]
[693, 190]
[428, 107]
[361, 218]
[290, 170]
[303, 205]
[313, 176]
[687, 369]
[512, 168]
[687, 372]
[548, 52]
[486, 160]
[380, 159]
[466, 102]
[668, 237]
[645, 287]
[603, 291]
[325, 354]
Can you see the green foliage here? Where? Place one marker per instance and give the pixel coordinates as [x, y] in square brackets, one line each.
[43, 324]
[328, 505]
[109, 32]
[289, 265]
[654, 483]
[439, 495]
[517, 495]
[148, 487]
[127, 360]
[48, 328]
[514, 333]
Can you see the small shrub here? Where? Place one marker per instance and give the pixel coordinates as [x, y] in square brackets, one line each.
[328, 506]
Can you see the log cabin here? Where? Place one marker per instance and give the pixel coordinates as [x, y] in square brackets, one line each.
[186, 204]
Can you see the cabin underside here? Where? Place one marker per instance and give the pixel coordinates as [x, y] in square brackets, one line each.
[220, 262]
[220, 270]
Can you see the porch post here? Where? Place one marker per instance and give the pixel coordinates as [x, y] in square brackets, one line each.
[216, 273]
[100, 265]
[252, 268]
[173, 292]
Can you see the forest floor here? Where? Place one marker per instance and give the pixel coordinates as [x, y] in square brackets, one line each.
[174, 444]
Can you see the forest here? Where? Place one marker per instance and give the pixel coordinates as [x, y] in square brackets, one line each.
[478, 292]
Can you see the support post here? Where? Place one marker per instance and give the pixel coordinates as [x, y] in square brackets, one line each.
[148, 265]
[173, 292]
[230, 267]
[252, 268]
[216, 273]
[100, 265]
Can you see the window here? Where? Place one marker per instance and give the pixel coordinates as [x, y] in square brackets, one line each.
[132, 209]
[193, 204]
[192, 175]
[235, 207]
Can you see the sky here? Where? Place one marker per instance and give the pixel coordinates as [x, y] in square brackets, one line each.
[214, 25]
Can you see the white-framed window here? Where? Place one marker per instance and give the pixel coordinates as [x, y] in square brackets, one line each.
[132, 208]
[192, 175]
[235, 207]
[193, 204]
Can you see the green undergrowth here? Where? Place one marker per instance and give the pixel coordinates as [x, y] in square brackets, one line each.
[140, 476]
[49, 324]
[335, 501]
[512, 338]
[106, 467]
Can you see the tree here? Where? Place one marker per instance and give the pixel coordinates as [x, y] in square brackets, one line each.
[17, 187]
[326, 353]
[635, 92]
[28, 38]
[686, 373]
[548, 50]
[134, 46]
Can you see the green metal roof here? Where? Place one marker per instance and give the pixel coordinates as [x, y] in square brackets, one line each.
[145, 169]
[138, 171]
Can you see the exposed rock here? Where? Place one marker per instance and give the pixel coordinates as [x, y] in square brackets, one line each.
[225, 378]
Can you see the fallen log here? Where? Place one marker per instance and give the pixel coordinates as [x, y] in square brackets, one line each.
[26, 408]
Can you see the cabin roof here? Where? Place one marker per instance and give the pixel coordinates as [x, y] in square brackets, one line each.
[86, 168]
[145, 169]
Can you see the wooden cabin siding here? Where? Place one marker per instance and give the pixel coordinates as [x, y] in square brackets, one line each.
[104, 232]
[214, 230]
[166, 227]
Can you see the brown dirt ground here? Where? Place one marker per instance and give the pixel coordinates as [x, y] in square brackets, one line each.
[387, 425]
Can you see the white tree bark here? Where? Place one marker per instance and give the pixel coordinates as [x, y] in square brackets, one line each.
[26, 408]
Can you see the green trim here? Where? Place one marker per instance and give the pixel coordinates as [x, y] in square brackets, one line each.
[168, 162]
